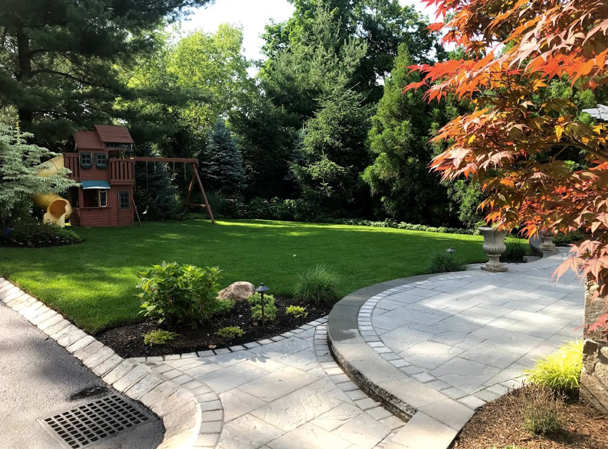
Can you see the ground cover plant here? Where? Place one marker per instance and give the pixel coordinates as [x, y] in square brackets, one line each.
[93, 283]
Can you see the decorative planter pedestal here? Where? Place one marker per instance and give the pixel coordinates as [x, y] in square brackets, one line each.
[494, 246]
[547, 244]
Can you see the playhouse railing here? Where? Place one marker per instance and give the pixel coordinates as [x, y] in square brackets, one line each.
[70, 161]
[121, 171]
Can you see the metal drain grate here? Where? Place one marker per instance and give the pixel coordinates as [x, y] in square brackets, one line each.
[95, 421]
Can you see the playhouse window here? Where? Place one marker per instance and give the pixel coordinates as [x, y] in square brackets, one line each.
[90, 198]
[86, 160]
[124, 200]
[103, 198]
[101, 160]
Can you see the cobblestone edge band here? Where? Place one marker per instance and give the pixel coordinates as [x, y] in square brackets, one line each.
[181, 411]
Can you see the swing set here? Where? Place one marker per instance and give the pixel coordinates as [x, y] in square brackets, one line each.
[195, 178]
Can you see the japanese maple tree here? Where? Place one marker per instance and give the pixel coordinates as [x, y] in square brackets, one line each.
[516, 139]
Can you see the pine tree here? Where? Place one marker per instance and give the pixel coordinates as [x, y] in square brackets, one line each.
[221, 162]
[58, 58]
[333, 152]
[399, 176]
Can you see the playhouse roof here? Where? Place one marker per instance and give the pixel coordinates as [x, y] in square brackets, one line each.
[88, 140]
[113, 134]
[103, 134]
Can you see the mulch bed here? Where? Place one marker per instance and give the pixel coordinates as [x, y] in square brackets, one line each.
[128, 341]
[499, 424]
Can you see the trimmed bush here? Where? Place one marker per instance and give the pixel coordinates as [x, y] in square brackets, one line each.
[297, 311]
[562, 239]
[316, 286]
[443, 262]
[270, 310]
[35, 234]
[179, 294]
[159, 337]
[561, 370]
[230, 333]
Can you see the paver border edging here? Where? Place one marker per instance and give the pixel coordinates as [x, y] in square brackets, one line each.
[430, 413]
[179, 409]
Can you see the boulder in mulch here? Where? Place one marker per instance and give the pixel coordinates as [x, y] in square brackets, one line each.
[238, 292]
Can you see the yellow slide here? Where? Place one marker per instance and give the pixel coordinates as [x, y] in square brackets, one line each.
[58, 209]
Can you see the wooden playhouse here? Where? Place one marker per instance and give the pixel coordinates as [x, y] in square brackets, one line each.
[103, 164]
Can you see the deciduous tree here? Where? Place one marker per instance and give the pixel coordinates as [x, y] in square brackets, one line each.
[516, 140]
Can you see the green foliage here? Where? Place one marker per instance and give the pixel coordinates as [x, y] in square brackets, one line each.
[19, 170]
[159, 337]
[270, 310]
[224, 306]
[34, 234]
[444, 262]
[560, 370]
[562, 239]
[60, 60]
[467, 196]
[316, 286]
[333, 152]
[221, 166]
[516, 250]
[230, 332]
[179, 294]
[402, 126]
[541, 410]
[297, 311]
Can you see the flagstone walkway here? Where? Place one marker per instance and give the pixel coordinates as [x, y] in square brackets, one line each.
[445, 343]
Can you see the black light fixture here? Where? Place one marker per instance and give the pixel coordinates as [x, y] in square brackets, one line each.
[261, 290]
[451, 250]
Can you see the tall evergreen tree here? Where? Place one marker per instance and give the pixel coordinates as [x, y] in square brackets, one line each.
[333, 153]
[221, 162]
[402, 126]
[57, 58]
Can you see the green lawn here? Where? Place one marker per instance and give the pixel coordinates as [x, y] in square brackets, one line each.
[94, 283]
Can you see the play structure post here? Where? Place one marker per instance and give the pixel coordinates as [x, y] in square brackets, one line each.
[200, 184]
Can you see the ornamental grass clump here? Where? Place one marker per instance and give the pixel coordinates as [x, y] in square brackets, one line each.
[561, 370]
[316, 286]
[159, 337]
[515, 251]
[443, 262]
[179, 295]
[230, 332]
[541, 410]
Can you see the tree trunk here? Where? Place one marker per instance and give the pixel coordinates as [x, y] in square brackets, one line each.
[24, 74]
[594, 378]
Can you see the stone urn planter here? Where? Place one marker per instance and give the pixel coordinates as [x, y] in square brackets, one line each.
[494, 246]
[547, 244]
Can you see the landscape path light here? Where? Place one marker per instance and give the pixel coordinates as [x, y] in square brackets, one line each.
[451, 251]
[261, 290]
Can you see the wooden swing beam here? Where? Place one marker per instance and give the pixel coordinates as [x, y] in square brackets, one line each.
[195, 176]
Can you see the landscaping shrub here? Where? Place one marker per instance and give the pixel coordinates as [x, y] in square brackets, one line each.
[179, 294]
[159, 337]
[541, 410]
[316, 286]
[516, 251]
[561, 370]
[443, 262]
[270, 310]
[562, 239]
[224, 306]
[33, 234]
[297, 311]
[230, 332]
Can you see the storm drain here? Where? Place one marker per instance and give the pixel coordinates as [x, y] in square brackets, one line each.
[95, 421]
